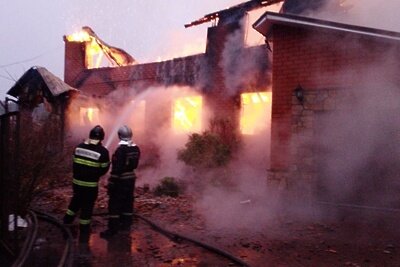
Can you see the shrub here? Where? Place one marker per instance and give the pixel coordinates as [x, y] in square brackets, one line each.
[211, 149]
[168, 187]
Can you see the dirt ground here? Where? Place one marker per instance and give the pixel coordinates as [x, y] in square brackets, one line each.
[356, 238]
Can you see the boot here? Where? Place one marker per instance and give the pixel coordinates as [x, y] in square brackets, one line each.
[112, 228]
[84, 233]
[125, 222]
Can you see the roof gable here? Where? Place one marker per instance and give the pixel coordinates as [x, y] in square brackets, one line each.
[40, 78]
[264, 23]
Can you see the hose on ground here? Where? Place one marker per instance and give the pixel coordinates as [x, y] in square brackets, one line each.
[176, 237]
[67, 255]
[29, 240]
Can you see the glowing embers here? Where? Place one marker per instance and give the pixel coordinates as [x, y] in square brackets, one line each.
[89, 116]
[81, 36]
[256, 112]
[187, 113]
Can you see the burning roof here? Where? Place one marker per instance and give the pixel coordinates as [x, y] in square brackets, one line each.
[116, 55]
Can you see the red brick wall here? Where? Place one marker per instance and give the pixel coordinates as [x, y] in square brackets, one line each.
[74, 61]
[316, 59]
[102, 81]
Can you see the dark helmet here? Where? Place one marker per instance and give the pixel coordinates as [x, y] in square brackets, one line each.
[125, 133]
[97, 133]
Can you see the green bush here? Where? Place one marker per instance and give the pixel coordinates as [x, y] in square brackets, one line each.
[211, 149]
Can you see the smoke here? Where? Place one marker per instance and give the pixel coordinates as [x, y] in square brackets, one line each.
[148, 112]
[368, 13]
[360, 157]
[241, 201]
[242, 68]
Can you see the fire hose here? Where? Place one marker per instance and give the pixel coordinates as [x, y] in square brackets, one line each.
[355, 206]
[178, 237]
[32, 219]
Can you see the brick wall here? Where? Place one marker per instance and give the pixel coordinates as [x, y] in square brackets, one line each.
[316, 59]
[203, 71]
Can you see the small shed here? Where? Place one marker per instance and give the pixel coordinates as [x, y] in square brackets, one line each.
[42, 97]
[31, 135]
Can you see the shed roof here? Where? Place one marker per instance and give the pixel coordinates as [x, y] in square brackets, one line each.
[264, 23]
[37, 75]
[7, 107]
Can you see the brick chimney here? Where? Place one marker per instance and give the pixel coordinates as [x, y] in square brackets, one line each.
[74, 62]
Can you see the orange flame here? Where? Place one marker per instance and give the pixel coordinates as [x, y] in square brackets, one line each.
[81, 36]
[187, 114]
[94, 53]
[89, 116]
[96, 49]
[256, 112]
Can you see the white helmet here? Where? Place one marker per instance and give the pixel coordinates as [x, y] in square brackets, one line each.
[125, 133]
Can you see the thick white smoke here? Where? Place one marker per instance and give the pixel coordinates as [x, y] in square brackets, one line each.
[358, 142]
[368, 13]
[124, 106]
[242, 67]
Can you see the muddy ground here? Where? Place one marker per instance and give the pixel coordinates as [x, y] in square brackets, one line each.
[356, 238]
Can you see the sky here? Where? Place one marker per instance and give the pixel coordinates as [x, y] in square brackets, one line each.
[32, 31]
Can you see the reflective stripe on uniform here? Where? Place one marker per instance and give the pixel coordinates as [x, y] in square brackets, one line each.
[84, 222]
[70, 212]
[87, 153]
[83, 183]
[125, 175]
[127, 213]
[90, 163]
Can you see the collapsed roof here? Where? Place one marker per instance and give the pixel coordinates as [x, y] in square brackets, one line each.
[117, 56]
[233, 13]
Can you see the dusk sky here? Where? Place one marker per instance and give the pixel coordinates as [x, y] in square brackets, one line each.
[32, 31]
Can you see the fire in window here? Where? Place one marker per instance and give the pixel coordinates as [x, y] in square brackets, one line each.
[187, 114]
[89, 116]
[255, 113]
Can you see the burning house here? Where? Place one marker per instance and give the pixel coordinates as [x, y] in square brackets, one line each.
[229, 81]
[295, 92]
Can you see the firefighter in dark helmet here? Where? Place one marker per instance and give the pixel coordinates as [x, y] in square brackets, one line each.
[91, 160]
[121, 183]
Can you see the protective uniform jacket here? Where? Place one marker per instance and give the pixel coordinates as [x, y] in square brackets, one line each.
[90, 162]
[121, 186]
[124, 161]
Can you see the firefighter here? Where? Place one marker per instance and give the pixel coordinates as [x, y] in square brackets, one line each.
[121, 183]
[91, 160]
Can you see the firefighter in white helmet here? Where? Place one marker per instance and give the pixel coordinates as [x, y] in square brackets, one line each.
[121, 183]
[91, 160]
